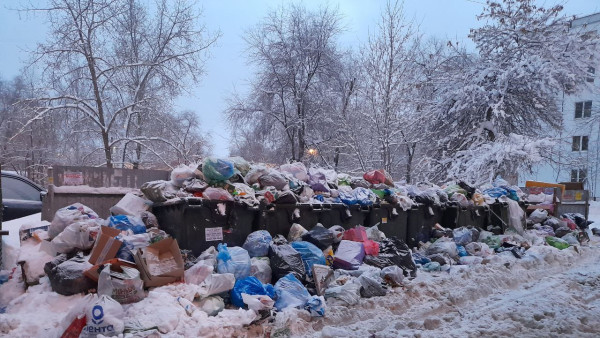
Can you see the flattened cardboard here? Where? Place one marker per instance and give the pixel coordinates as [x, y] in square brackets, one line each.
[323, 276]
[166, 245]
[116, 263]
[106, 246]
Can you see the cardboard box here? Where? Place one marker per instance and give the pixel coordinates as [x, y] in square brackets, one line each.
[165, 251]
[106, 246]
[116, 263]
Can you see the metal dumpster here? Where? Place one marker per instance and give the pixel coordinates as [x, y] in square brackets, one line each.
[197, 223]
[390, 219]
[477, 216]
[421, 220]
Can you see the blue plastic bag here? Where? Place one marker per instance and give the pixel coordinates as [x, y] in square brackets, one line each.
[462, 252]
[132, 224]
[233, 260]
[311, 255]
[290, 293]
[364, 196]
[217, 170]
[316, 306]
[251, 286]
[257, 243]
[420, 259]
[348, 198]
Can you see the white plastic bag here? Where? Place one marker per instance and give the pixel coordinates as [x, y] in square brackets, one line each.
[538, 216]
[77, 312]
[296, 232]
[105, 317]
[374, 234]
[216, 283]
[180, 174]
[261, 269]
[393, 275]
[69, 215]
[212, 305]
[258, 302]
[131, 205]
[198, 272]
[125, 287]
[79, 235]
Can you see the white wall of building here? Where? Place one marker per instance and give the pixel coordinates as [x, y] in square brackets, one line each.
[569, 165]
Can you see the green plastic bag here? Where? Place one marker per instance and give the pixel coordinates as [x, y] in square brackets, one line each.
[557, 242]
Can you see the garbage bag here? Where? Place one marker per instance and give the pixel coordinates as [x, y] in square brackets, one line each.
[255, 173]
[104, 317]
[432, 266]
[296, 232]
[257, 243]
[317, 180]
[316, 306]
[338, 233]
[68, 215]
[359, 182]
[443, 246]
[571, 238]
[284, 260]
[344, 179]
[462, 236]
[461, 251]
[478, 249]
[159, 191]
[250, 286]
[233, 260]
[258, 302]
[245, 194]
[375, 176]
[296, 169]
[349, 255]
[578, 219]
[240, 164]
[557, 242]
[470, 260]
[420, 259]
[392, 275]
[149, 219]
[328, 253]
[364, 197]
[538, 216]
[216, 283]
[217, 194]
[181, 174]
[378, 261]
[124, 286]
[371, 247]
[273, 179]
[290, 293]
[77, 236]
[399, 253]
[348, 294]
[73, 323]
[211, 305]
[310, 254]
[356, 234]
[66, 276]
[198, 272]
[373, 233]
[217, 170]
[347, 197]
[286, 197]
[319, 236]
[261, 269]
[129, 225]
[370, 286]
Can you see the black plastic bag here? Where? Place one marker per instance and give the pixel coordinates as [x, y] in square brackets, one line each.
[578, 219]
[319, 236]
[399, 253]
[66, 276]
[286, 197]
[285, 259]
[378, 261]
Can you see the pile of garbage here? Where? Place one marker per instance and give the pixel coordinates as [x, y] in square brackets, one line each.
[116, 260]
[234, 179]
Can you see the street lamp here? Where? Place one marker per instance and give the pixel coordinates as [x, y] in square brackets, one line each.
[312, 151]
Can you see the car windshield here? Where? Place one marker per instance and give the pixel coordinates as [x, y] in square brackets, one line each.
[13, 188]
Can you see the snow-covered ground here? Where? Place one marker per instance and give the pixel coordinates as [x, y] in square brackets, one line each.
[547, 293]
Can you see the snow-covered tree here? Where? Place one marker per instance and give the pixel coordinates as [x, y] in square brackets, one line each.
[507, 94]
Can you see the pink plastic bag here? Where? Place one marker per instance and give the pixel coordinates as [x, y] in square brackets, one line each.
[371, 247]
[358, 234]
[217, 194]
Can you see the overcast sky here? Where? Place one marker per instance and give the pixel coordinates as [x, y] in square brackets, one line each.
[227, 69]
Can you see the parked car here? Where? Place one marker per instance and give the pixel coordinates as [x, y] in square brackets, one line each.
[20, 196]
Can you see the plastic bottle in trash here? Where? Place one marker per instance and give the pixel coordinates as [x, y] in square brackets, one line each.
[188, 306]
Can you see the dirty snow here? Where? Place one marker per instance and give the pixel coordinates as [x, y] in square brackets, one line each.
[548, 293]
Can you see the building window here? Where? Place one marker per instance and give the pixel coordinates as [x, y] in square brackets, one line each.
[578, 175]
[591, 73]
[580, 143]
[583, 109]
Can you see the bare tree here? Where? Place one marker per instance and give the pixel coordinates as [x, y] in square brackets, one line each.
[112, 62]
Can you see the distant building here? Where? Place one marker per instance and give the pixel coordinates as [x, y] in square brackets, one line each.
[578, 151]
